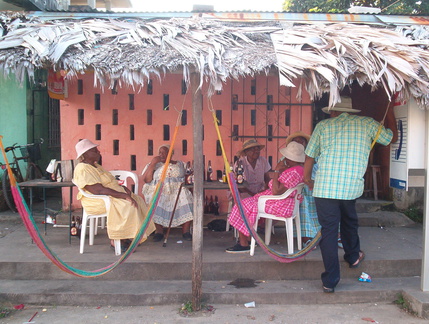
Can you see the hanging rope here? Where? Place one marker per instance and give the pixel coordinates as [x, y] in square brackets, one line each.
[37, 237]
[285, 258]
[377, 135]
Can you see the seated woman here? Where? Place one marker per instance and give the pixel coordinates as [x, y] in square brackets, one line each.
[308, 215]
[127, 211]
[256, 168]
[287, 174]
[183, 215]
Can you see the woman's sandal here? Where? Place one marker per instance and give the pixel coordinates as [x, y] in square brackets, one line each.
[328, 290]
[358, 261]
[340, 243]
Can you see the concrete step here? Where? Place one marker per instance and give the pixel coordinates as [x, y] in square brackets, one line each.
[89, 292]
[212, 271]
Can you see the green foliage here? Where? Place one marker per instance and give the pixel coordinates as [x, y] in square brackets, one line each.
[414, 213]
[186, 308]
[388, 7]
[5, 311]
[404, 305]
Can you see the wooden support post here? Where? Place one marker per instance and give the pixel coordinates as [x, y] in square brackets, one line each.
[197, 239]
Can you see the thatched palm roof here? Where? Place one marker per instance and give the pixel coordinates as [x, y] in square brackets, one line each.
[327, 56]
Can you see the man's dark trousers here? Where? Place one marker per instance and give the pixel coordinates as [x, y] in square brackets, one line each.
[333, 213]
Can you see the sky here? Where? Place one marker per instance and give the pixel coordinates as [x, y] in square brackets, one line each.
[219, 5]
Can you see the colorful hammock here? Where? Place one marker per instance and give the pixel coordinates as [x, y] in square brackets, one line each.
[37, 237]
[285, 258]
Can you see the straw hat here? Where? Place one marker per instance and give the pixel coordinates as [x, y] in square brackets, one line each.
[344, 106]
[249, 144]
[294, 152]
[297, 134]
[83, 146]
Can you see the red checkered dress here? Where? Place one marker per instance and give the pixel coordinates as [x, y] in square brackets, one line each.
[289, 178]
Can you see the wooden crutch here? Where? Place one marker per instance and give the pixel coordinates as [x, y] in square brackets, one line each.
[172, 215]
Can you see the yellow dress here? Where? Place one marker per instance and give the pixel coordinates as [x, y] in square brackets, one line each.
[124, 220]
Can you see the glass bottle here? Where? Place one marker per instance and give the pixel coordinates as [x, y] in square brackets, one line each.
[209, 171]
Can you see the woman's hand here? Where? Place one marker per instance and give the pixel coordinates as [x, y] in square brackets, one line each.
[132, 201]
[156, 159]
[281, 166]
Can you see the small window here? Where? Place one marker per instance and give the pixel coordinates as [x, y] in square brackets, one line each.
[184, 87]
[184, 117]
[184, 147]
[132, 137]
[270, 102]
[219, 116]
[131, 101]
[270, 132]
[234, 101]
[80, 116]
[253, 87]
[97, 104]
[115, 117]
[133, 164]
[234, 134]
[98, 132]
[287, 117]
[253, 117]
[149, 117]
[79, 87]
[149, 89]
[149, 147]
[166, 102]
[218, 148]
[166, 132]
[115, 147]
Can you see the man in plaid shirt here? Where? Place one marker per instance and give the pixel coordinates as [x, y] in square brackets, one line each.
[341, 145]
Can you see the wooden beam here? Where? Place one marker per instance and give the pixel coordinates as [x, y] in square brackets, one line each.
[197, 240]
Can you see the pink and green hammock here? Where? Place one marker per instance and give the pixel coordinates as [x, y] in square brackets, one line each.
[281, 257]
[35, 234]
[37, 237]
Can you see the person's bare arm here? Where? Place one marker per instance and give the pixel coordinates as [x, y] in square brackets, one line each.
[150, 170]
[278, 188]
[308, 168]
[99, 189]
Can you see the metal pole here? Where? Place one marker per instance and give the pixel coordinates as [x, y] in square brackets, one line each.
[425, 258]
[197, 239]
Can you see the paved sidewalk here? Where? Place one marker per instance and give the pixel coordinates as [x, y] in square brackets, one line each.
[222, 314]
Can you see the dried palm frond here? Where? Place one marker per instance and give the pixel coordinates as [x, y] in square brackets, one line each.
[327, 57]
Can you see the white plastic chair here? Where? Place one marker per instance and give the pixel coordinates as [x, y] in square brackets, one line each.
[288, 221]
[230, 205]
[93, 220]
[124, 175]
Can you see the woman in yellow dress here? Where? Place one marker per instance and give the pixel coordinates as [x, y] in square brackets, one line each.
[127, 211]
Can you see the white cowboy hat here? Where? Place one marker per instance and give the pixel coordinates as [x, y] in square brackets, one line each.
[344, 106]
[83, 146]
[294, 152]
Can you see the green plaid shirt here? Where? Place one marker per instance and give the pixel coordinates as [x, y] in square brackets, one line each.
[341, 146]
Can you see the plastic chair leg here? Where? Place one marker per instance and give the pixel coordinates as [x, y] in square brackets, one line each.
[298, 231]
[92, 222]
[289, 234]
[83, 233]
[117, 247]
[268, 225]
[252, 241]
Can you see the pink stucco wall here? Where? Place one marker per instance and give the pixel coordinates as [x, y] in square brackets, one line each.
[283, 98]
